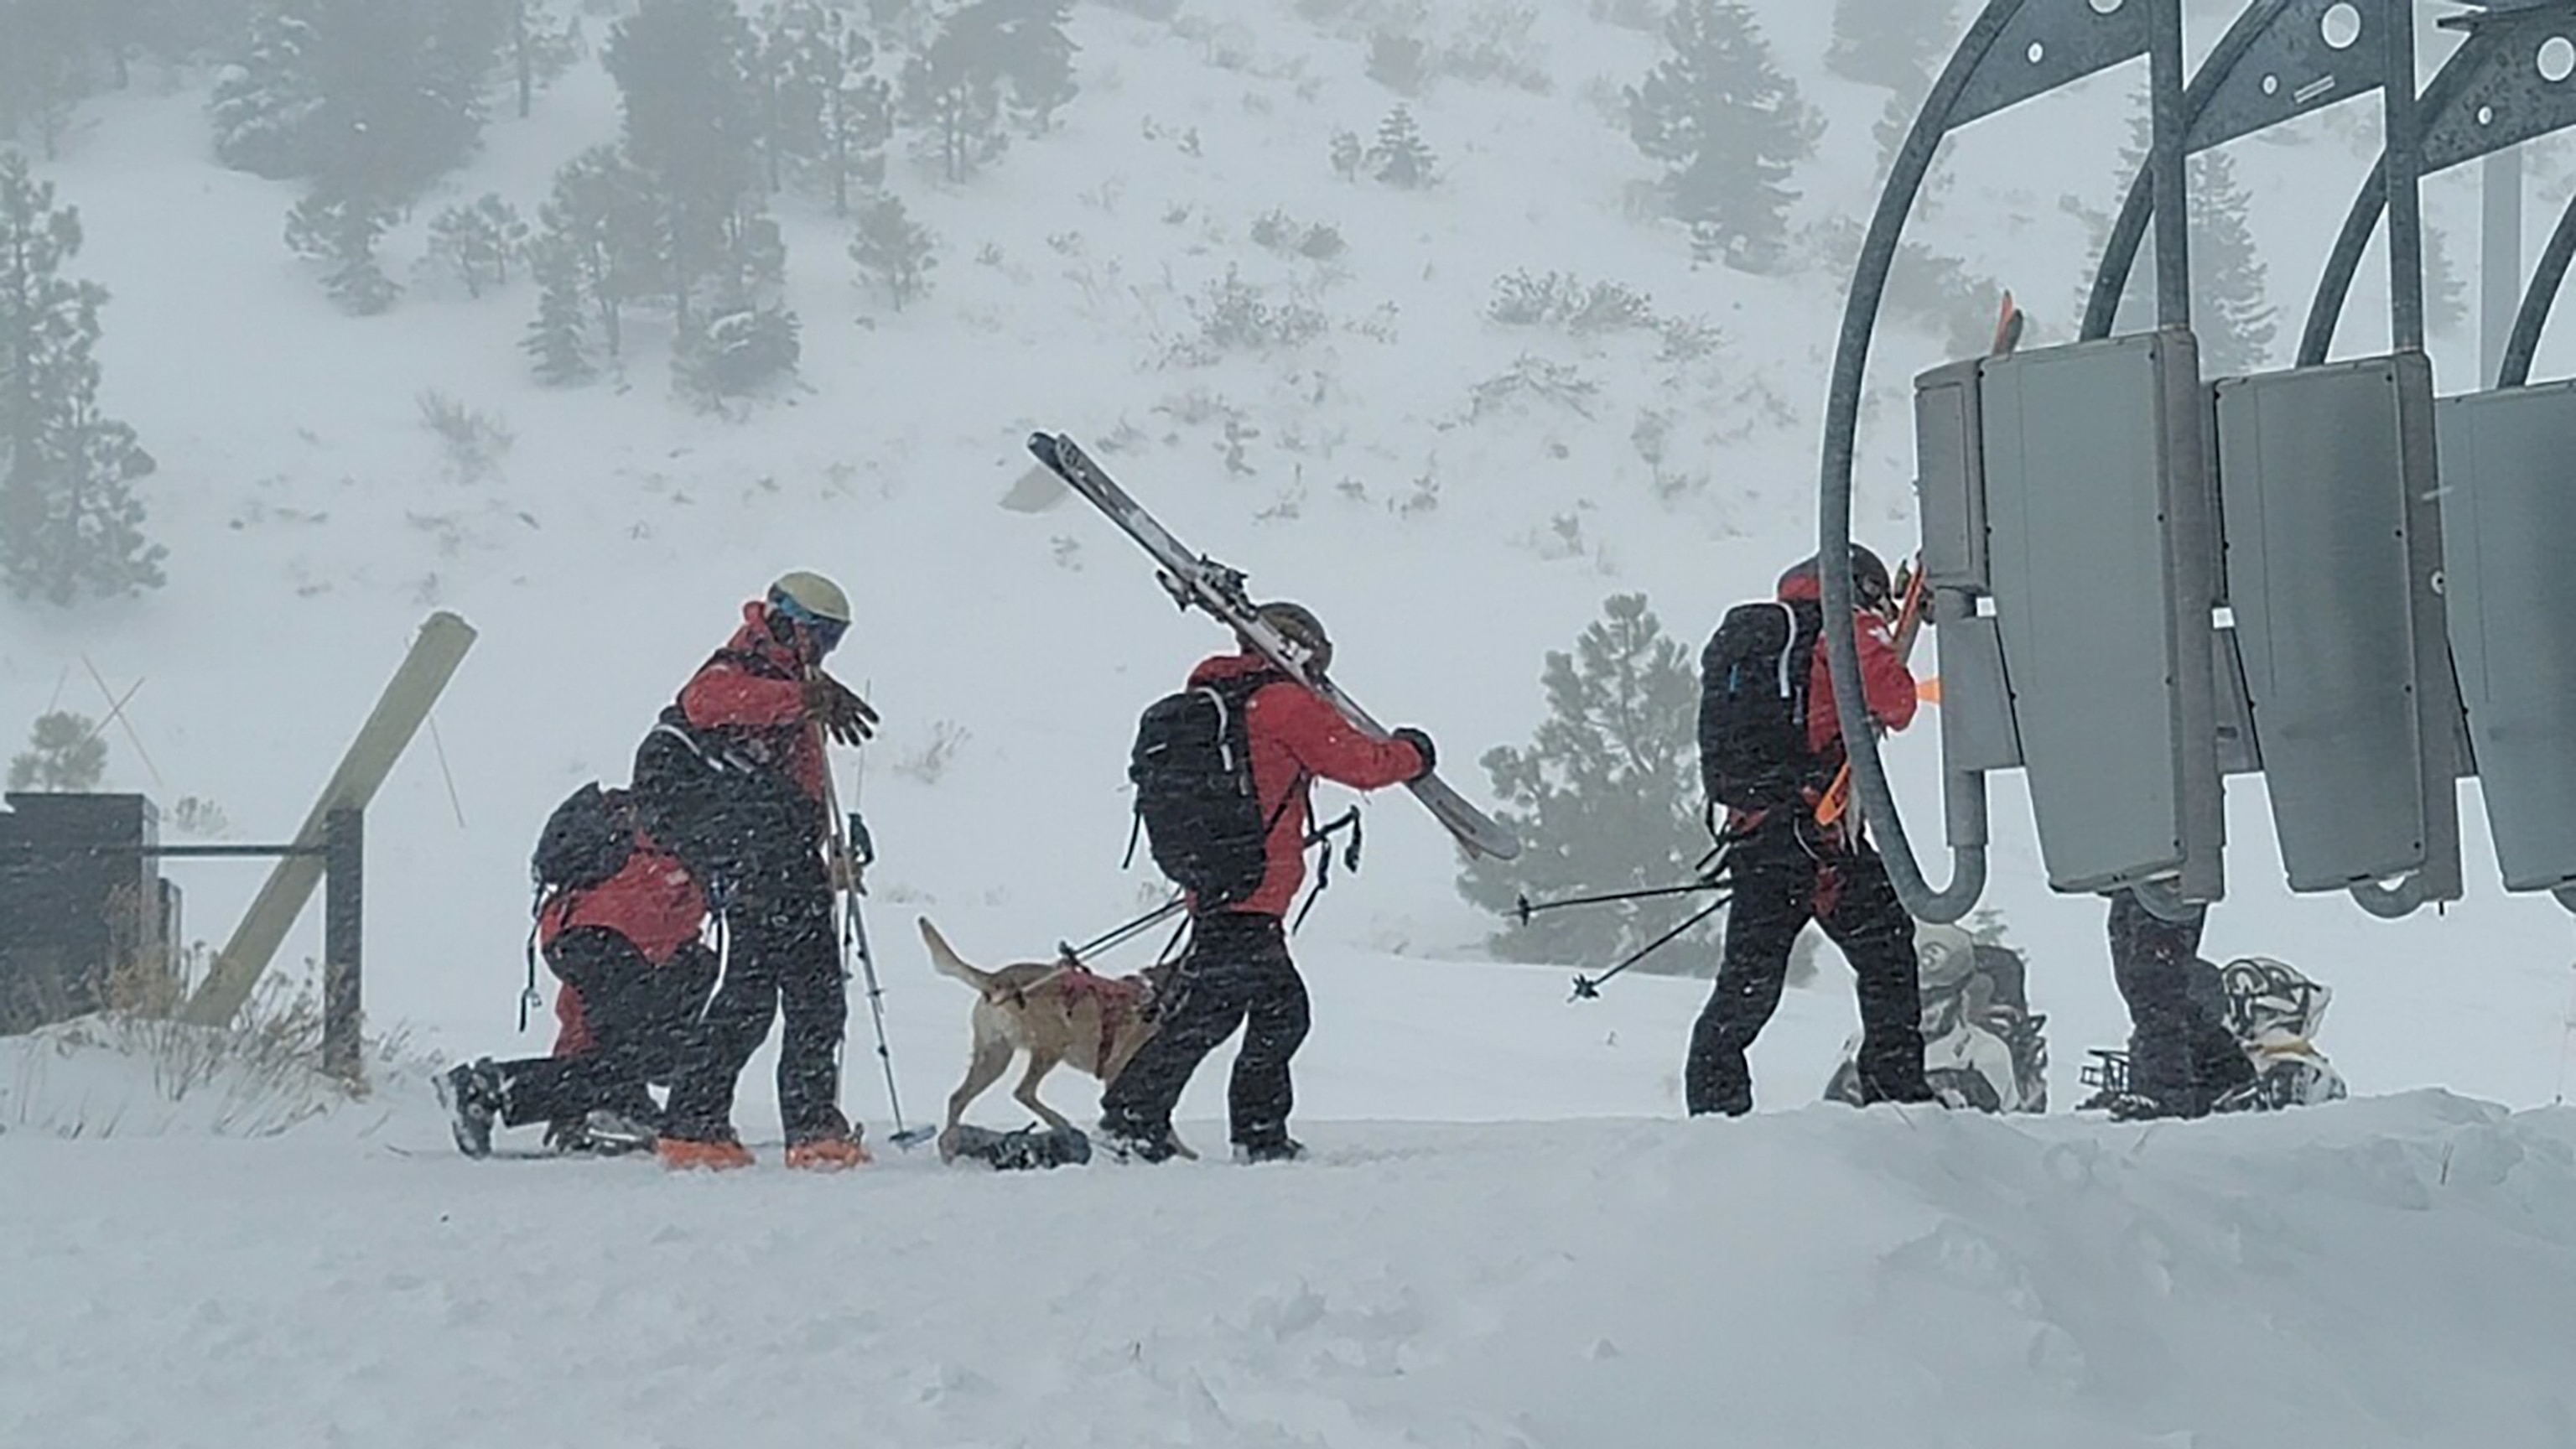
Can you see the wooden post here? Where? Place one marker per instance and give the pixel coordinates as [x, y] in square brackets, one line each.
[416, 686]
[344, 898]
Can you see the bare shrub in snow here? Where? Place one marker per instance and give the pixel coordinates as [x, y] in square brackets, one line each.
[1236, 316]
[928, 763]
[1529, 376]
[478, 243]
[1492, 44]
[474, 441]
[1562, 300]
[1284, 234]
[1348, 154]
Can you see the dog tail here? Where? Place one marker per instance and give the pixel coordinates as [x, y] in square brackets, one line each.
[945, 958]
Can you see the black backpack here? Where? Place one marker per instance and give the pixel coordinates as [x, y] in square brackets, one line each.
[1754, 675]
[1192, 769]
[587, 839]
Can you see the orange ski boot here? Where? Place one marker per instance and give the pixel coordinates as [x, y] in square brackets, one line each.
[828, 1154]
[683, 1154]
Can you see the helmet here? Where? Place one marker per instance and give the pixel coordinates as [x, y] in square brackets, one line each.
[813, 602]
[1299, 626]
[1871, 586]
[1944, 957]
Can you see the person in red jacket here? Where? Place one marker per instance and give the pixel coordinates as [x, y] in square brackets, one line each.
[1237, 970]
[1786, 870]
[629, 954]
[735, 776]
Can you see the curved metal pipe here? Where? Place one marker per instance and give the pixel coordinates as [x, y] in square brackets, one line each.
[1842, 426]
[2325, 311]
[2537, 300]
[2137, 209]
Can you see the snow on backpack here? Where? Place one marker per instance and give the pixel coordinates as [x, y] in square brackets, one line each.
[1754, 675]
[1192, 769]
[586, 840]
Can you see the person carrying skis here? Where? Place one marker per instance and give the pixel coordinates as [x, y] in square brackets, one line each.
[2182, 1057]
[1237, 971]
[734, 776]
[1770, 744]
[624, 941]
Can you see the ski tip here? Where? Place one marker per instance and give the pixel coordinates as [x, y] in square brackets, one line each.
[1044, 446]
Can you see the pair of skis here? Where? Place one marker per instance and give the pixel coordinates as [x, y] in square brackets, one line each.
[1196, 581]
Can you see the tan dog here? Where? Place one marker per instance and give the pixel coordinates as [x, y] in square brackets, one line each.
[1057, 1012]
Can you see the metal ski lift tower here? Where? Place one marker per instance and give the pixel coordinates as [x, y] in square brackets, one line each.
[2274, 577]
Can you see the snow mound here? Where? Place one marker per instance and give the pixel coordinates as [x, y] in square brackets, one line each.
[2383, 1272]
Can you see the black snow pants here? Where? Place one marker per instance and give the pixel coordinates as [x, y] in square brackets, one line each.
[641, 1018]
[1783, 877]
[2181, 1054]
[1236, 972]
[780, 956]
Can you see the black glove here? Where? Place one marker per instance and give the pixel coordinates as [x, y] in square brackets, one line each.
[843, 715]
[1422, 746]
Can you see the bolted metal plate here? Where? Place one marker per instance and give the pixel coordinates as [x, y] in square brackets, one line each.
[2492, 93]
[2094, 458]
[2507, 519]
[2326, 479]
[2287, 69]
[2051, 43]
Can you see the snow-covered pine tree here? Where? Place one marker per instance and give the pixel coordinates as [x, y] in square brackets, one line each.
[1348, 154]
[1728, 126]
[539, 47]
[50, 58]
[605, 229]
[557, 342]
[952, 97]
[479, 241]
[684, 70]
[365, 97]
[1035, 57]
[858, 118]
[1401, 157]
[2232, 312]
[1892, 43]
[894, 252]
[1606, 798]
[825, 115]
[69, 521]
[340, 231]
[266, 104]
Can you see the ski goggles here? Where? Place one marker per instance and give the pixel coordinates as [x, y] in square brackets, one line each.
[826, 633]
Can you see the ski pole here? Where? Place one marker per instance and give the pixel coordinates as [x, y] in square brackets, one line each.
[1588, 988]
[1706, 874]
[856, 850]
[1120, 935]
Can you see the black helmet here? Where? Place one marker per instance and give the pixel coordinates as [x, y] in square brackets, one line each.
[1298, 625]
[1871, 586]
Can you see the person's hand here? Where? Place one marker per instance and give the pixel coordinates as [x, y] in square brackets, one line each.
[844, 716]
[1421, 745]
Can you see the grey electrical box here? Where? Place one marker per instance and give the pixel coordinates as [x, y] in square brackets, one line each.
[2508, 522]
[2327, 479]
[2099, 542]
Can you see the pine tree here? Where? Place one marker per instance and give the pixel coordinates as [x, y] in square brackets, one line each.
[478, 242]
[49, 60]
[2232, 315]
[1606, 797]
[952, 97]
[825, 117]
[1401, 157]
[893, 251]
[684, 69]
[266, 106]
[340, 231]
[65, 753]
[557, 341]
[1348, 154]
[69, 521]
[1891, 43]
[2446, 291]
[1728, 126]
[605, 229]
[366, 97]
[1035, 57]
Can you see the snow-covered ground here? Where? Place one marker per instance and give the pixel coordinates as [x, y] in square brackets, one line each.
[1507, 1238]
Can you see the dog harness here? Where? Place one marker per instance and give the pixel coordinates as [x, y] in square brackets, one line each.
[1120, 998]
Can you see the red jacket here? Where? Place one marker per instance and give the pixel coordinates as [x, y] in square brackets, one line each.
[652, 902]
[1296, 739]
[761, 703]
[1885, 681]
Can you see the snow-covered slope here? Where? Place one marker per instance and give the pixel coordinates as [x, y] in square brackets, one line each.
[2391, 1272]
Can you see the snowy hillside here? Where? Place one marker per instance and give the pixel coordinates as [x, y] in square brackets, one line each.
[1509, 1236]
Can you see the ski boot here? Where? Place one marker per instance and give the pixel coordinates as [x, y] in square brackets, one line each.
[471, 1093]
